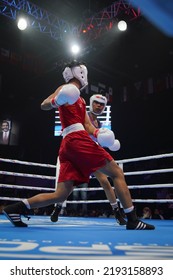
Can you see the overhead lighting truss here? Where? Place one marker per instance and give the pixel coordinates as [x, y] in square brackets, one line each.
[104, 20]
[46, 22]
[40, 19]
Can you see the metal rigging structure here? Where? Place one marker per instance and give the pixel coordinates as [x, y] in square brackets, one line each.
[48, 23]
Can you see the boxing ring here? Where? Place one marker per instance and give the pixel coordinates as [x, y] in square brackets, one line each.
[73, 238]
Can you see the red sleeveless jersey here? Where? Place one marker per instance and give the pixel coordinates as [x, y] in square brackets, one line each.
[72, 114]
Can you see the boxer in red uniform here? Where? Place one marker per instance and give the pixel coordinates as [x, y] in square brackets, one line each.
[79, 155]
[98, 103]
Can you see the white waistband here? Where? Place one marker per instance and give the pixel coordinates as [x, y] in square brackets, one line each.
[72, 128]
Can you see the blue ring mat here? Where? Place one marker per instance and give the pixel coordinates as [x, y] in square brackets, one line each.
[80, 238]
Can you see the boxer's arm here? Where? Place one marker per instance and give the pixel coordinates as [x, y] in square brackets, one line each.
[105, 137]
[65, 95]
[47, 103]
[102, 134]
[88, 125]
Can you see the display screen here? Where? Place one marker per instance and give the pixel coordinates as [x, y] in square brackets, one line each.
[105, 120]
[9, 132]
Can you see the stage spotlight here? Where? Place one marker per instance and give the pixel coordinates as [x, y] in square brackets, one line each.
[122, 25]
[75, 49]
[22, 23]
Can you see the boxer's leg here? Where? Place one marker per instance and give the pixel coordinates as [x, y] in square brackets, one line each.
[112, 170]
[110, 194]
[14, 212]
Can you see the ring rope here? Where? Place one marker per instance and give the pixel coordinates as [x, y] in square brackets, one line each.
[130, 187]
[145, 158]
[99, 201]
[53, 177]
[92, 189]
[8, 186]
[27, 175]
[165, 170]
[85, 189]
[134, 200]
[27, 163]
[118, 161]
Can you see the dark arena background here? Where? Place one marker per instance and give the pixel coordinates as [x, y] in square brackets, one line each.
[134, 70]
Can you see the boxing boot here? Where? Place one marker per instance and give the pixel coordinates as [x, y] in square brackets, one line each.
[133, 223]
[14, 211]
[120, 220]
[55, 213]
[139, 225]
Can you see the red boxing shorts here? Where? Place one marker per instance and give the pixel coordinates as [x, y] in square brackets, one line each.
[79, 157]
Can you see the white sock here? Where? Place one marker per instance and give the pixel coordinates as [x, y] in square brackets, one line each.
[128, 210]
[114, 205]
[25, 201]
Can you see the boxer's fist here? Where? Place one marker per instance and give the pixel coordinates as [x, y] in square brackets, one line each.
[105, 137]
[116, 146]
[68, 94]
